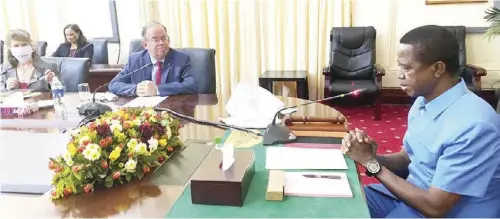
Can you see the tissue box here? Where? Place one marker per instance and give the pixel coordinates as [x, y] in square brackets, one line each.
[23, 110]
[212, 186]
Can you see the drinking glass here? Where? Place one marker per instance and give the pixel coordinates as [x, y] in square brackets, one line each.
[84, 92]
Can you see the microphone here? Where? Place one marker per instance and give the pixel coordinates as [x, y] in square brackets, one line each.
[79, 50]
[94, 108]
[278, 133]
[206, 123]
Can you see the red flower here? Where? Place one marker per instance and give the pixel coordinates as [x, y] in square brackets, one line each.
[161, 159]
[130, 154]
[88, 188]
[76, 168]
[116, 175]
[126, 125]
[103, 143]
[52, 165]
[81, 148]
[92, 126]
[85, 142]
[109, 140]
[58, 169]
[104, 164]
[53, 193]
[120, 145]
[146, 169]
[170, 149]
[67, 191]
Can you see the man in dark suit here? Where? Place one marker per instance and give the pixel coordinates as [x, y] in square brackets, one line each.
[169, 75]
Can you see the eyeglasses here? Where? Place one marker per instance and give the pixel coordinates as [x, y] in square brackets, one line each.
[161, 39]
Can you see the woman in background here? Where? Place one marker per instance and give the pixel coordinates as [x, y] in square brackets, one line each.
[75, 44]
[24, 69]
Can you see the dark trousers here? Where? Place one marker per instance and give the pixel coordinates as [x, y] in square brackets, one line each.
[385, 206]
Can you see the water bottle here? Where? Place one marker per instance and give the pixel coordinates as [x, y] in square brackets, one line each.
[58, 96]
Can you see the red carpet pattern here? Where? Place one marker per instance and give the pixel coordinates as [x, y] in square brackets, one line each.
[388, 132]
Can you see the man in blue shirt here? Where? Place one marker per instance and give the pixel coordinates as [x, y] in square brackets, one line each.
[451, 149]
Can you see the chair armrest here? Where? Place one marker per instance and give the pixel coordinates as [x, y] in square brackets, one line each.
[378, 71]
[478, 71]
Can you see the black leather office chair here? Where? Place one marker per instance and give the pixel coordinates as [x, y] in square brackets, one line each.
[1, 52]
[74, 71]
[100, 51]
[135, 46]
[470, 73]
[352, 65]
[203, 68]
[41, 48]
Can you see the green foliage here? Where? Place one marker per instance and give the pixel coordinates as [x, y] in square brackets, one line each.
[493, 17]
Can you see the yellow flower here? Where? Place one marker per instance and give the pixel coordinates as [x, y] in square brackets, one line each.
[132, 143]
[115, 154]
[71, 149]
[162, 142]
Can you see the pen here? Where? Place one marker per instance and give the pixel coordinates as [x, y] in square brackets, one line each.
[321, 176]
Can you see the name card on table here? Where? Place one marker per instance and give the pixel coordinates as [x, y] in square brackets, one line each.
[145, 101]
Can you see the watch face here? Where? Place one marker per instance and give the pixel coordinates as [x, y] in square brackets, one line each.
[373, 167]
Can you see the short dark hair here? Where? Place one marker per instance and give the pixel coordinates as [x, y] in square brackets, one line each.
[432, 43]
[81, 38]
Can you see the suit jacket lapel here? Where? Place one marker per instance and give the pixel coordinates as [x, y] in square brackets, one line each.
[146, 72]
[167, 66]
[39, 70]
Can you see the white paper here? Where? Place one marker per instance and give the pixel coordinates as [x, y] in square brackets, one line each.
[251, 106]
[283, 158]
[296, 184]
[227, 156]
[16, 99]
[145, 101]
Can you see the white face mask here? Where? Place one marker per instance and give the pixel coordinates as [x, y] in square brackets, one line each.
[22, 54]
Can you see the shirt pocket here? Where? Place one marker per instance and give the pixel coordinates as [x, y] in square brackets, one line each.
[426, 151]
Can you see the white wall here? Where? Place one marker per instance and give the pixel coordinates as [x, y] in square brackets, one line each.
[393, 18]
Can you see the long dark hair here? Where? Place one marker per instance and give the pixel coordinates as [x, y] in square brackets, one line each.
[74, 27]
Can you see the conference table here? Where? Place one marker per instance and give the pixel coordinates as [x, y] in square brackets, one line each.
[153, 196]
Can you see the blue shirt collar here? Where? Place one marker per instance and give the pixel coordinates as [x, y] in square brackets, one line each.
[443, 101]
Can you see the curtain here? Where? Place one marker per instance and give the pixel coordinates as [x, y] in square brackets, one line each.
[253, 36]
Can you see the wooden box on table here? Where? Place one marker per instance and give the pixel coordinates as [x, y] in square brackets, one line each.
[212, 186]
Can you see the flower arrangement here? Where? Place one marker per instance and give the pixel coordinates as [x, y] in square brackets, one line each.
[115, 149]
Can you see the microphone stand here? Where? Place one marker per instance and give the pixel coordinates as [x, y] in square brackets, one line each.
[207, 123]
[279, 133]
[96, 109]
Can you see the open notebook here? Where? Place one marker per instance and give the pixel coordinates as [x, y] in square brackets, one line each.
[317, 184]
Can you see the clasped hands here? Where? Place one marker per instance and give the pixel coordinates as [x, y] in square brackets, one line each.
[359, 146]
[146, 89]
[13, 83]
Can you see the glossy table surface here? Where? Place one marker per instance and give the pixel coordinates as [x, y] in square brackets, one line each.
[151, 197]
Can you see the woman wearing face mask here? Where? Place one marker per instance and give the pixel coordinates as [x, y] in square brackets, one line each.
[25, 69]
[75, 44]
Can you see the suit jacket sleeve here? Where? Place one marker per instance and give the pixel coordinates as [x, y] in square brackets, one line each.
[122, 86]
[187, 85]
[58, 51]
[89, 52]
[3, 79]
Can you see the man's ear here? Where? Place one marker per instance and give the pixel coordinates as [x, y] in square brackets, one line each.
[144, 44]
[439, 69]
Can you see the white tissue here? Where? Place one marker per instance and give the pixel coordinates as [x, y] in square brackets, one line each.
[251, 106]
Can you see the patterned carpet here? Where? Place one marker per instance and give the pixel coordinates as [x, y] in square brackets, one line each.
[388, 132]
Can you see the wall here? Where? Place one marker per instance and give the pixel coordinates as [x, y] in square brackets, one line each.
[393, 18]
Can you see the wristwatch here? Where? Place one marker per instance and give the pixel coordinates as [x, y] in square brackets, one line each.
[372, 168]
